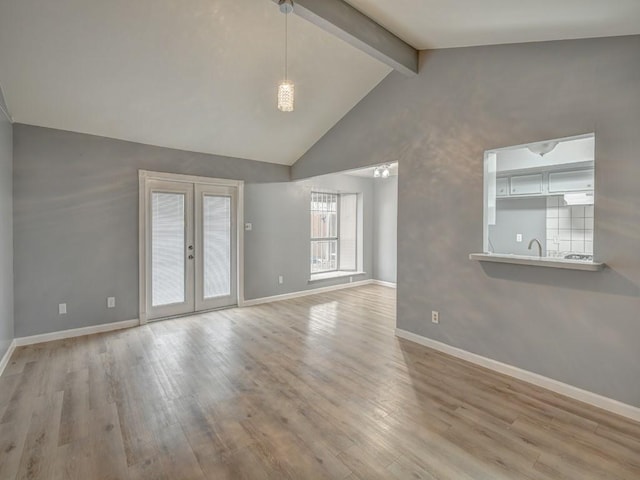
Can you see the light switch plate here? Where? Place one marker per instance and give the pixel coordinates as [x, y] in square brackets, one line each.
[248, 227]
[62, 309]
[111, 302]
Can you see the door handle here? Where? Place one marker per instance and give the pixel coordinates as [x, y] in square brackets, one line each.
[190, 257]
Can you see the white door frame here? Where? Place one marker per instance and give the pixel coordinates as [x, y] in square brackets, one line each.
[143, 177]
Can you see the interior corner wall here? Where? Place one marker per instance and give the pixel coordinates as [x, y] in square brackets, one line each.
[76, 221]
[6, 234]
[385, 229]
[278, 243]
[581, 328]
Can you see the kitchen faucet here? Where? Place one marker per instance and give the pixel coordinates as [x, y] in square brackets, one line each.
[539, 246]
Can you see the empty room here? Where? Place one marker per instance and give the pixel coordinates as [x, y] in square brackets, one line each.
[319, 239]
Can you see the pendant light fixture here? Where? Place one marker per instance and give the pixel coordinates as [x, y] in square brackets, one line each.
[286, 90]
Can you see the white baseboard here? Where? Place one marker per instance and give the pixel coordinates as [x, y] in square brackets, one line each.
[4, 361]
[382, 283]
[304, 293]
[565, 389]
[75, 332]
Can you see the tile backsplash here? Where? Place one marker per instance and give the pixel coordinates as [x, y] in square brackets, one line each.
[569, 228]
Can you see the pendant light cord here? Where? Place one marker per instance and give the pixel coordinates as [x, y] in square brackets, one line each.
[286, 45]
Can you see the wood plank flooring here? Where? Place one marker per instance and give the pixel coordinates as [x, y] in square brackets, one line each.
[312, 388]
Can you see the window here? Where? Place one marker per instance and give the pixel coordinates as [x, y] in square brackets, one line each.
[333, 232]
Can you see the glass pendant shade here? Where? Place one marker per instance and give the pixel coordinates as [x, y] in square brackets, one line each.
[385, 172]
[376, 172]
[286, 91]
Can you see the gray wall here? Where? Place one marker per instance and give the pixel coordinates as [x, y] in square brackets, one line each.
[76, 224]
[527, 216]
[581, 328]
[385, 229]
[6, 234]
[278, 243]
[76, 221]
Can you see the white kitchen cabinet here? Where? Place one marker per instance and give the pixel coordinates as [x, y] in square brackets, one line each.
[526, 184]
[572, 181]
[502, 187]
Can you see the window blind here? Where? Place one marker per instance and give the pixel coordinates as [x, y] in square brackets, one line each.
[216, 233]
[167, 249]
[348, 231]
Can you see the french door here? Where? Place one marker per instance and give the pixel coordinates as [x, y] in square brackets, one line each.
[190, 247]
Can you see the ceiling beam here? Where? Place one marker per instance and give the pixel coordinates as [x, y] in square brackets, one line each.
[3, 106]
[344, 21]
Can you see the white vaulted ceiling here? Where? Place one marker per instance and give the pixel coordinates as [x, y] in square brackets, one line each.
[196, 75]
[427, 24]
[201, 75]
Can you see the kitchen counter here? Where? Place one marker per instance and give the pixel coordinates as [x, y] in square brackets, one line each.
[552, 262]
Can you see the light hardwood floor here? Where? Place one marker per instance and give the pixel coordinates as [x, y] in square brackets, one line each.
[316, 387]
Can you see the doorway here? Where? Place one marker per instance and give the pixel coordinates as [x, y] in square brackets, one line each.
[189, 244]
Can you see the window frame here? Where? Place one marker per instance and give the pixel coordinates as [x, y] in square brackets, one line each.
[335, 239]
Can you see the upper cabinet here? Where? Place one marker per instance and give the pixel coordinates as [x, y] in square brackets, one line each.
[545, 183]
[576, 180]
[526, 184]
[502, 187]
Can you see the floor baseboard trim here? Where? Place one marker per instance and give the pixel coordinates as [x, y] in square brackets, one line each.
[556, 386]
[75, 332]
[304, 293]
[382, 283]
[4, 361]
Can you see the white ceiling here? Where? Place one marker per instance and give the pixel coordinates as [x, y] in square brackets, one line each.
[202, 75]
[457, 23]
[199, 75]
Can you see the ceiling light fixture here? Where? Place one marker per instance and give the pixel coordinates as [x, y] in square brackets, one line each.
[286, 89]
[542, 148]
[382, 171]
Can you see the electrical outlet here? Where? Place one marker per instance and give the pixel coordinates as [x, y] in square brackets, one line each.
[111, 302]
[280, 279]
[62, 309]
[435, 317]
[518, 237]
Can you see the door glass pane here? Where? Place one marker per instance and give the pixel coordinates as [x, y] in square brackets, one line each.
[216, 230]
[167, 248]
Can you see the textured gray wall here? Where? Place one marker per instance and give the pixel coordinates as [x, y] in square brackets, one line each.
[279, 241]
[6, 235]
[76, 221]
[385, 229]
[527, 216]
[581, 328]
